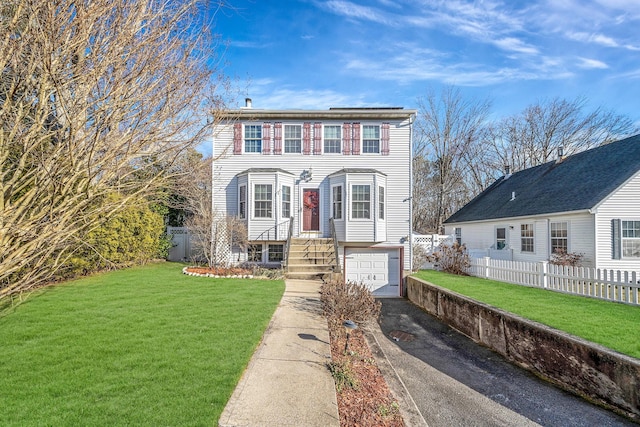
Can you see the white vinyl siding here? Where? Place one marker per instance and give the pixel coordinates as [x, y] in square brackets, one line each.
[394, 175]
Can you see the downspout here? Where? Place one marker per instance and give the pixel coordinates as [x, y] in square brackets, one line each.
[411, 120]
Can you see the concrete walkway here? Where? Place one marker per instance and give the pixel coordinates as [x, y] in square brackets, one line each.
[287, 382]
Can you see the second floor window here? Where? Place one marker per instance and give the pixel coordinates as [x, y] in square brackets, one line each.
[370, 139]
[262, 201]
[292, 138]
[559, 237]
[526, 237]
[332, 139]
[361, 201]
[253, 138]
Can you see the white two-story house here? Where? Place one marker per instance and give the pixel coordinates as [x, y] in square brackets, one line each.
[306, 175]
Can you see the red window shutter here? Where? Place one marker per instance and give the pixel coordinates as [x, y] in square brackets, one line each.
[384, 139]
[266, 138]
[355, 146]
[346, 138]
[237, 138]
[277, 138]
[317, 138]
[306, 138]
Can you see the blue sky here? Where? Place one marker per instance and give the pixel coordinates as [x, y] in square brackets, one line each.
[316, 54]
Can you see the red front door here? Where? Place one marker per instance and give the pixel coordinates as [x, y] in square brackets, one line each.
[310, 209]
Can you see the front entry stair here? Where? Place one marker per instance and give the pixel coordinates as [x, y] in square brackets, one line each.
[311, 258]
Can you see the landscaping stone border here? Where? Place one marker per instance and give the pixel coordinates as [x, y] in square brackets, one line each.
[584, 368]
[233, 276]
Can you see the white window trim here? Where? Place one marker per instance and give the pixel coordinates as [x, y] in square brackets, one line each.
[342, 201]
[284, 138]
[352, 201]
[568, 235]
[254, 200]
[244, 138]
[506, 237]
[533, 238]
[622, 239]
[339, 152]
[240, 201]
[362, 138]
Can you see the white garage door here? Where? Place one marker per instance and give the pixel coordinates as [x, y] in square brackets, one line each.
[379, 269]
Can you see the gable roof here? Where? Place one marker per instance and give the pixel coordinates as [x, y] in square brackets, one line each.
[578, 182]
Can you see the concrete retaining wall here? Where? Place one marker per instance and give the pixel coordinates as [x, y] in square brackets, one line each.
[582, 367]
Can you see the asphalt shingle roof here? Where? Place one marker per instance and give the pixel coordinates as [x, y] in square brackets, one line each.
[579, 182]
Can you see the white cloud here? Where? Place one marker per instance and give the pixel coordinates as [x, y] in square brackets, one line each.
[515, 45]
[588, 63]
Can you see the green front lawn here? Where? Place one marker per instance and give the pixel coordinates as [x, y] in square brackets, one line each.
[142, 346]
[613, 325]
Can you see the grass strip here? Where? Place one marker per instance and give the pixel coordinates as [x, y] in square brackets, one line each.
[613, 325]
[142, 346]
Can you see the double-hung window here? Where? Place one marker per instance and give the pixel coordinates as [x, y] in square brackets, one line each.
[292, 139]
[286, 201]
[254, 253]
[332, 139]
[501, 238]
[559, 233]
[276, 253]
[337, 202]
[631, 239]
[242, 202]
[526, 238]
[361, 201]
[262, 196]
[253, 138]
[381, 202]
[370, 139]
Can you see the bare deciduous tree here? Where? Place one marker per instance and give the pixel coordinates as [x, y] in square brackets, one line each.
[534, 136]
[97, 97]
[447, 129]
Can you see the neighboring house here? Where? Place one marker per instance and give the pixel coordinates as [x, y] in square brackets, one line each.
[296, 177]
[587, 203]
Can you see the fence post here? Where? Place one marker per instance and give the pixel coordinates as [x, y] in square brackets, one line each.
[544, 274]
[486, 266]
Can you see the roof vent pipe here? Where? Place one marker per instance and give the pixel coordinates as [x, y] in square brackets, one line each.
[513, 196]
[560, 154]
[507, 170]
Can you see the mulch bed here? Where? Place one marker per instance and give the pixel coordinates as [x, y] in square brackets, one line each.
[220, 271]
[369, 402]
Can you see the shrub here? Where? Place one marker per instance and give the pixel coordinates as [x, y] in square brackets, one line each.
[562, 257]
[452, 259]
[354, 301]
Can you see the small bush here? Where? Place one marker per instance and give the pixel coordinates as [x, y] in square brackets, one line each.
[420, 256]
[343, 375]
[562, 257]
[341, 301]
[452, 259]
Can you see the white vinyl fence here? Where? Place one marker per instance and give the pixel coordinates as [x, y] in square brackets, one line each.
[431, 242]
[612, 285]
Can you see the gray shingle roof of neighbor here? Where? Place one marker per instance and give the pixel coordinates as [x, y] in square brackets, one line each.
[578, 182]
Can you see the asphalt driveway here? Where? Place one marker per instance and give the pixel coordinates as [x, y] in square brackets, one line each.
[445, 379]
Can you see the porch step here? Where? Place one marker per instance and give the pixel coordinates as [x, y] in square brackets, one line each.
[311, 258]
